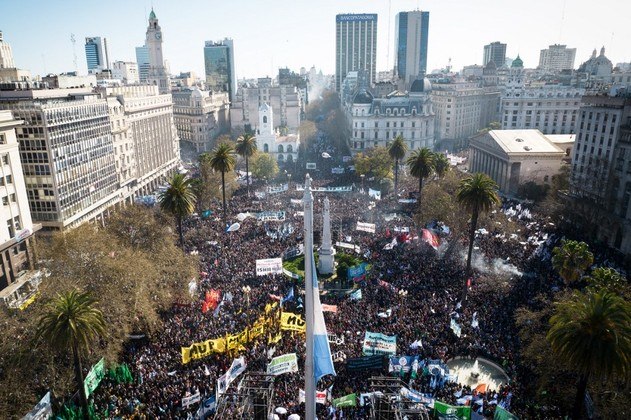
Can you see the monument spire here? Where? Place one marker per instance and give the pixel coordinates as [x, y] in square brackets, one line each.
[326, 263]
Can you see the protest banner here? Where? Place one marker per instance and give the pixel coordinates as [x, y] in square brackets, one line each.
[192, 399]
[236, 368]
[292, 322]
[329, 308]
[376, 343]
[502, 414]
[366, 227]
[271, 216]
[320, 396]
[450, 412]
[401, 364]
[311, 165]
[365, 363]
[416, 396]
[283, 364]
[337, 170]
[275, 189]
[355, 295]
[203, 349]
[94, 376]
[376, 194]
[346, 245]
[349, 400]
[356, 271]
[269, 266]
[207, 407]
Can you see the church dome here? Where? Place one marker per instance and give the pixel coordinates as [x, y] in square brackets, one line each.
[152, 15]
[363, 97]
[517, 62]
[421, 85]
[196, 93]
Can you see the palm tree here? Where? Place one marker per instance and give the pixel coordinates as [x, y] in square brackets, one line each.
[72, 322]
[179, 200]
[397, 150]
[592, 332]
[571, 259]
[441, 164]
[246, 148]
[222, 160]
[421, 164]
[477, 193]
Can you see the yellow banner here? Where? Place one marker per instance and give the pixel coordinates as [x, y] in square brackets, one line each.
[232, 341]
[292, 322]
[257, 330]
[203, 349]
[273, 339]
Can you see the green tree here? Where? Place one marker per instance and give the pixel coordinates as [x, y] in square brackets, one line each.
[441, 164]
[592, 333]
[608, 279]
[72, 322]
[375, 162]
[397, 150]
[222, 160]
[476, 193]
[571, 259]
[264, 166]
[246, 148]
[179, 200]
[421, 164]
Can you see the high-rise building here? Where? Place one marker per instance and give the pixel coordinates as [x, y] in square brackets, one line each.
[219, 65]
[355, 45]
[142, 59]
[127, 72]
[411, 32]
[557, 58]
[153, 42]
[6, 54]
[496, 52]
[96, 54]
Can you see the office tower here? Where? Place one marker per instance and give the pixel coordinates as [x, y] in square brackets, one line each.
[6, 54]
[355, 46]
[127, 72]
[96, 54]
[153, 42]
[16, 226]
[411, 44]
[496, 52]
[219, 65]
[142, 59]
[556, 58]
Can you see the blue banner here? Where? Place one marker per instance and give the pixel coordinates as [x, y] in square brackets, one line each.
[356, 271]
[401, 364]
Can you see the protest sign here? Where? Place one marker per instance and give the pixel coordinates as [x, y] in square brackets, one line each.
[269, 266]
[376, 343]
[366, 227]
[283, 364]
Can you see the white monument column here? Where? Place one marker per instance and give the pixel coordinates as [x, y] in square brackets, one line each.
[326, 263]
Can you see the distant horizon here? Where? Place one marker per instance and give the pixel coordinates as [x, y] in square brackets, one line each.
[297, 34]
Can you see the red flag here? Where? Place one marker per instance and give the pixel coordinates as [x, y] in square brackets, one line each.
[387, 232]
[430, 237]
[480, 389]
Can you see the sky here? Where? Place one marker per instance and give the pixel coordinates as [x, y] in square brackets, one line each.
[269, 34]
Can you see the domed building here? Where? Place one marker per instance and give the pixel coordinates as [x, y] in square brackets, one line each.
[377, 121]
[597, 67]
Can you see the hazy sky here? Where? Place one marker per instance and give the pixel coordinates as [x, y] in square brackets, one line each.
[272, 33]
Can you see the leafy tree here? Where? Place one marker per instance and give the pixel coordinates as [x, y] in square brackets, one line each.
[592, 332]
[264, 166]
[441, 164]
[571, 259]
[246, 148]
[397, 150]
[222, 160]
[605, 278]
[421, 164]
[179, 200]
[375, 162]
[477, 193]
[307, 132]
[72, 322]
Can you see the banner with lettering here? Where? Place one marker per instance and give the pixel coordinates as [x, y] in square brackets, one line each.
[292, 322]
[366, 227]
[357, 271]
[269, 266]
[203, 349]
[349, 400]
[286, 363]
[271, 216]
[401, 364]
[450, 412]
[376, 343]
[365, 363]
[320, 396]
[94, 376]
[192, 399]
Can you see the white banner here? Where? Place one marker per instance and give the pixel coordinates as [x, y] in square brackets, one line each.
[296, 201]
[237, 368]
[348, 246]
[320, 397]
[283, 364]
[337, 170]
[376, 194]
[407, 200]
[42, 411]
[271, 216]
[269, 266]
[366, 227]
[195, 398]
[273, 189]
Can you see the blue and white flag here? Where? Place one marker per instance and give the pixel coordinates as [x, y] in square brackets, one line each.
[207, 407]
[289, 297]
[322, 360]
[233, 227]
[356, 295]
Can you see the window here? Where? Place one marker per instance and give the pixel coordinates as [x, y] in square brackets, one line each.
[9, 179]
[5, 159]
[264, 119]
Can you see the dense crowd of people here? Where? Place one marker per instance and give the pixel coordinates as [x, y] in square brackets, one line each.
[417, 287]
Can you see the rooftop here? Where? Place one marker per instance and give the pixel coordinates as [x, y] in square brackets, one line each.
[561, 138]
[524, 141]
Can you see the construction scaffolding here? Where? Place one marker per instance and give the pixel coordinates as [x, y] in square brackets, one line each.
[253, 398]
[387, 404]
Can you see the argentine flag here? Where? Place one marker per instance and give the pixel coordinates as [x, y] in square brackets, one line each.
[322, 361]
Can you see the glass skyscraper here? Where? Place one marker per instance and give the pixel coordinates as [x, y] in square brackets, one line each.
[144, 64]
[219, 67]
[96, 53]
[411, 32]
[355, 46]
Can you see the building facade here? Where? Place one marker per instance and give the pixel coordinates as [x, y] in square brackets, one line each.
[285, 100]
[496, 52]
[355, 45]
[376, 122]
[411, 43]
[126, 71]
[557, 58]
[96, 54]
[283, 148]
[219, 66]
[6, 54]
[514, 157]
[157, 74]
[200, 116]
[142, 59]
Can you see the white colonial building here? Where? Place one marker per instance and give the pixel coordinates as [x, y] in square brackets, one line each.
[284, 148]
[376, 122]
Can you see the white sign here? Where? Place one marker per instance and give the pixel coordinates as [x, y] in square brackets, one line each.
[283, 364]
[376, 194]
[348, 246]
[320, 397]
[269, 266]
[311, 165]
[366, 227]
[195, 398]
[337, 170]
[273, 189]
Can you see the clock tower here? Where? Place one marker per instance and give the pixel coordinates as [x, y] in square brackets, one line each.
[157, 74]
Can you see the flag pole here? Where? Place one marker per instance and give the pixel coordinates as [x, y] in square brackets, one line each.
[310, 385]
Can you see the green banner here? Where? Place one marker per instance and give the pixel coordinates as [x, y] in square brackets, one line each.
[450, 412]
[94, 376]
[502, 414]
[349, 400]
